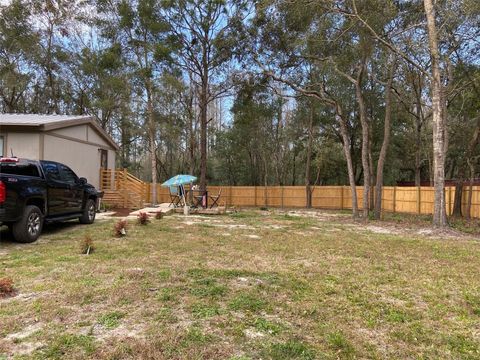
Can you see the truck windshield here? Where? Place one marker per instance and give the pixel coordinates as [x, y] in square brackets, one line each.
[23, 169]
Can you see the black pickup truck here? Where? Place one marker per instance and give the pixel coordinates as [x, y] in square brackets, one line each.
[33, 192]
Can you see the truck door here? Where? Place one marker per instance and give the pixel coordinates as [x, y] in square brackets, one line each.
[75, 194]
[57, 189]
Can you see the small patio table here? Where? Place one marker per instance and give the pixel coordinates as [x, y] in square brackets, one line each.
[200, 198]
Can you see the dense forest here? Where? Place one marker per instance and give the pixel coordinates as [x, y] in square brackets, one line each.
[267, 92]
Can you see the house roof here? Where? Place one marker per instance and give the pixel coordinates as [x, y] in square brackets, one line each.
[51, 122]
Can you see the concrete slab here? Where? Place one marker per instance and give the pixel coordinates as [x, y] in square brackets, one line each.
[153, 211]
[214, 211]
[104, 215]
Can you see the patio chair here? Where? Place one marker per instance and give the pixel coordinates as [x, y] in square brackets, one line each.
[175, 196]
[215, 198]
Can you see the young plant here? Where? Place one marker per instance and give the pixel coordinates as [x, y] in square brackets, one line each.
[120, 228]
[159, 215]
[6, 287]
[143, 218]
[86, 245]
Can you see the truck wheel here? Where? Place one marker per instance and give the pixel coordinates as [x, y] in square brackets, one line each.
[29, 228]
[89, 212]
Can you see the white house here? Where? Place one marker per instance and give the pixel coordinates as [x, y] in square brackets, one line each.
[76, 141]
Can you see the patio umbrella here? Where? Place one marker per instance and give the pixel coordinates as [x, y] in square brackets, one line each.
[179, 180]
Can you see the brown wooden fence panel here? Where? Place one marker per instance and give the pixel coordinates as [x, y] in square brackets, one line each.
[388, 195]
[241, 196]
[475, 210]
[294, 196]
[426, 200]
[412, 200]
[328, 197]
[406, 200]
[347, 196]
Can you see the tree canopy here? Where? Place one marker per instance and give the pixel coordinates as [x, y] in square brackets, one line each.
[267, 92]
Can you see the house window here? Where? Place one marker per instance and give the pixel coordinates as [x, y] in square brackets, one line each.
[2, 145]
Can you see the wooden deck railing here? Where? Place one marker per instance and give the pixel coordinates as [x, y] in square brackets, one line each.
[122, 189]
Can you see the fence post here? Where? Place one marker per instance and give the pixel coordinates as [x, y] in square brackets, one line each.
[449, 201]
[230, 196]
[382, 202]
[419, 192]
[282, 195]
[341, 197]
[255, 196]
[394, 199]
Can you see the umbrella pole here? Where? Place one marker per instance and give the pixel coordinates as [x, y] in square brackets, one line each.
[185, 208]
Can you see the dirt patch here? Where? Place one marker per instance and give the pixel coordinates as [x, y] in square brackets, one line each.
[121, 332]
[120, 212]
[381, 230]
[318, 214]
[253, 334]
[22, 297]
[386, 227]
[393, 228]
[26, 332]
[15, 345]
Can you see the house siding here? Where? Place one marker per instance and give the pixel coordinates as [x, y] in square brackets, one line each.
[23, 145]
[75, 146]
[78, 132]
[81, 144]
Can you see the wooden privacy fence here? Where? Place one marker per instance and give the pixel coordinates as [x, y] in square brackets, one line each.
[411, 200]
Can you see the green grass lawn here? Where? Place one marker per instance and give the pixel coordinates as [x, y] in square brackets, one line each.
[248, 285]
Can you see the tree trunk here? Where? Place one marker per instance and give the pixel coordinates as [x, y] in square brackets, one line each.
[418, 157]
[309, 156]
[203, 128]
[365, 141]
[418, 144]
[152, 135]
[385, 144]
[348, 157]
[439, 211]
[203, 147]
[294, 167]
[457, 200]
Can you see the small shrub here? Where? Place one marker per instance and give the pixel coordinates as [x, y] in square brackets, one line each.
[339, 342]
[111, 320]
[266, 326]
[291, 349]
[143, 218]
[120, 228]
[159, 215]
[247, 302]
[6, 287]
[203, 311]
[86, 245]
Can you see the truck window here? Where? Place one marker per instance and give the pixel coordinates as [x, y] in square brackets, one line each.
[51, 170]
[67, 175]
[23, 169]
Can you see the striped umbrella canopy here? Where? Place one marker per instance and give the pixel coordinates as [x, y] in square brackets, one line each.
[180, 180]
